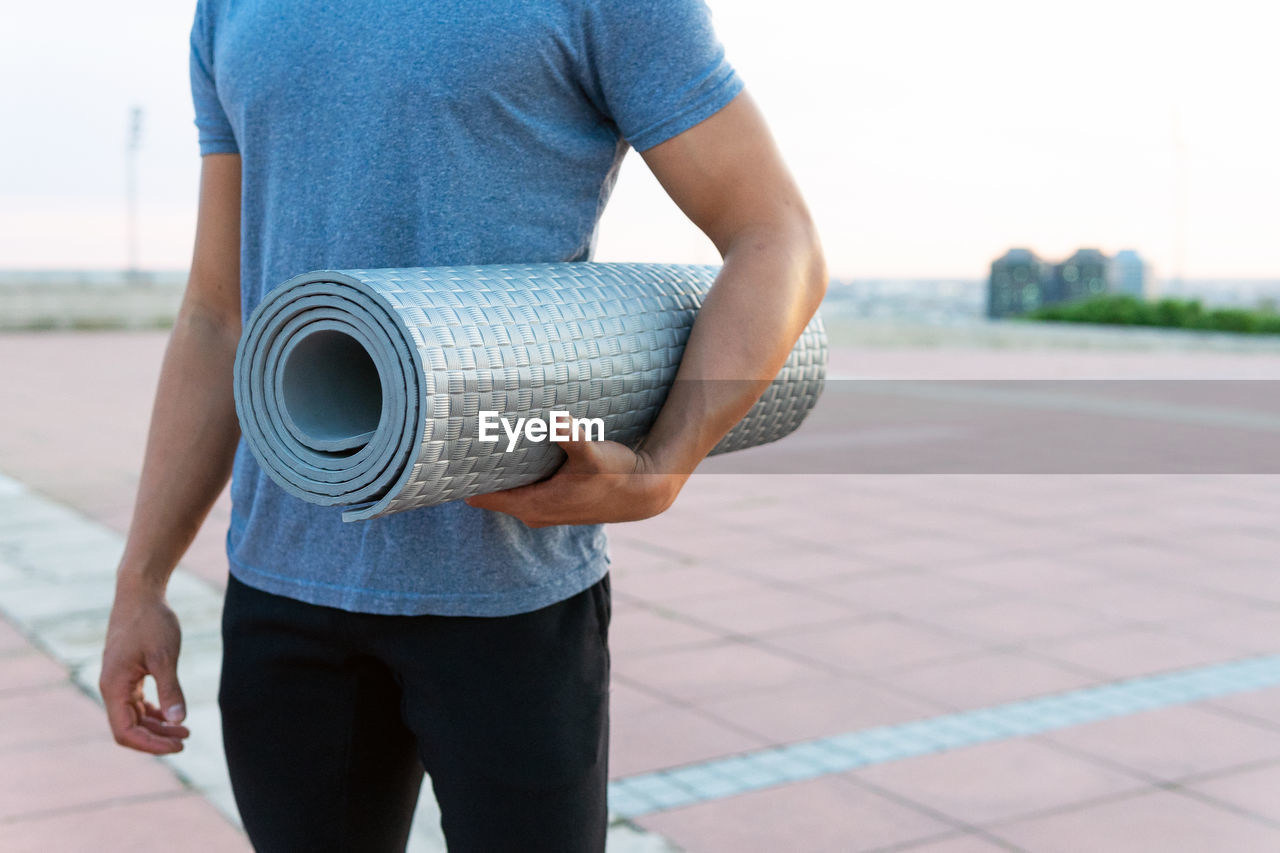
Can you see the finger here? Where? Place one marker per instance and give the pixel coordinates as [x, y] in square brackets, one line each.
[494, 501]
[515, 501]
[581, 456]
[172, 704]
[125, 721]
[139, 737]
[118, 697]
[572, 447]
[518, 509]
[172, 731]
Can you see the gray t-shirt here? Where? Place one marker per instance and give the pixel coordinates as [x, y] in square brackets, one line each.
[387, 133]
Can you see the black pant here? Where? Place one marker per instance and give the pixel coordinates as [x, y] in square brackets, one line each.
[329, 718]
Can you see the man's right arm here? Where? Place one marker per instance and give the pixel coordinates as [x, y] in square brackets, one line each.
[190, 448]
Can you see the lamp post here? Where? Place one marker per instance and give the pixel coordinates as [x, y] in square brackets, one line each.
[1180, 194]
[132, 144]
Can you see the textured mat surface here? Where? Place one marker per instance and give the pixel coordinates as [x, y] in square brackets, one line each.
[363, 388]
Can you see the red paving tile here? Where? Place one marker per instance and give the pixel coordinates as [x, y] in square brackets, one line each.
[626, 700]
[1139, 601]
[11, 640]
[1005, 559]
[1249, 547]
[50, 715]
[998, 781]
[25, 669]
[1249, 631]
[1173, 743]
[1257, 704]
[762, 612]
[872, 645]
[639, 630]
[987, 679]
[45, 416]
[1022, 620]
[1163, 559]
[1253, 790]
[812, 709]
[708, 542]
[906, 592]
[670, 736]
[78, 774]
[1135, 651]
[1159, 820]
[925, 551]
[1250, 583]
[956, 844]
[683, 583]
[175, 823]
[801, 566]
[820, 815]
[1037, 575]
[722, 669]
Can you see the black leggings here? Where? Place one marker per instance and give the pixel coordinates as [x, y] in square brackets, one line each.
[329, 718]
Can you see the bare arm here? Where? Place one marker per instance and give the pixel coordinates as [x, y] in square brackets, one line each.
[727, 176]
[188, 458]
[729, 179]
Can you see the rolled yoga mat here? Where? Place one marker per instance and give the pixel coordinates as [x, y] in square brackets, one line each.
[364, 388]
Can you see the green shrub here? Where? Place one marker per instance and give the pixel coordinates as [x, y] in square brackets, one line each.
[1124, 310]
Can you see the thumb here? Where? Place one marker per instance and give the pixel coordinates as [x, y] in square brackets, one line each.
[581, 455]
[574, 448]
[169, 692]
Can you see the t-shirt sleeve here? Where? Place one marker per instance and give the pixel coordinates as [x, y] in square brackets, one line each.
[215, 133]
[655, 67]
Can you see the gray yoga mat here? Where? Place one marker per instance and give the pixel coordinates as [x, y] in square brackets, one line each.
[363, 388]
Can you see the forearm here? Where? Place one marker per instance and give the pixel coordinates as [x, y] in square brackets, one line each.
[770, 285]
[190, 446]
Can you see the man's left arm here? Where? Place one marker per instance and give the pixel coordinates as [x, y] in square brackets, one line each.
[728, 177]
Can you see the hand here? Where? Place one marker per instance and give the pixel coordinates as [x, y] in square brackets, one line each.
[143, 638]
[599, 482]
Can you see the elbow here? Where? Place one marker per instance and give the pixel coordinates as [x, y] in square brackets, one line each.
[787, 244]
[814, 275]
[215, 324]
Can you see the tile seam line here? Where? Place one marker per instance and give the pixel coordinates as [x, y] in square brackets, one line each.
[96, 805]
[685, 785]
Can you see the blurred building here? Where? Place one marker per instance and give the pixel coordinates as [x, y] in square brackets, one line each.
[1019, 281]
[1130, 274]
[1086, 273]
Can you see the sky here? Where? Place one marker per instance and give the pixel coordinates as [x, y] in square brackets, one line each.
[928, 137]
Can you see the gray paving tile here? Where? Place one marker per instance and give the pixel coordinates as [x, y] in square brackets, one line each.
[11, 575]
[202, 764]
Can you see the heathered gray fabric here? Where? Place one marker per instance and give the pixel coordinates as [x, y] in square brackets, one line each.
[405, 133]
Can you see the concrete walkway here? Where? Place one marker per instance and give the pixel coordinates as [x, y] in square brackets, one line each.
[765, 611]
[56, 581]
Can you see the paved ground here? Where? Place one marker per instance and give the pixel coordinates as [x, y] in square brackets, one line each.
[764, 611]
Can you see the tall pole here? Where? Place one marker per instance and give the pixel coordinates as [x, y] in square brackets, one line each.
[1179, 204]
[133, 143]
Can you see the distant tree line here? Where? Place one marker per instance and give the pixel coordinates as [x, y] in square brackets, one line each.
[1124, 310]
